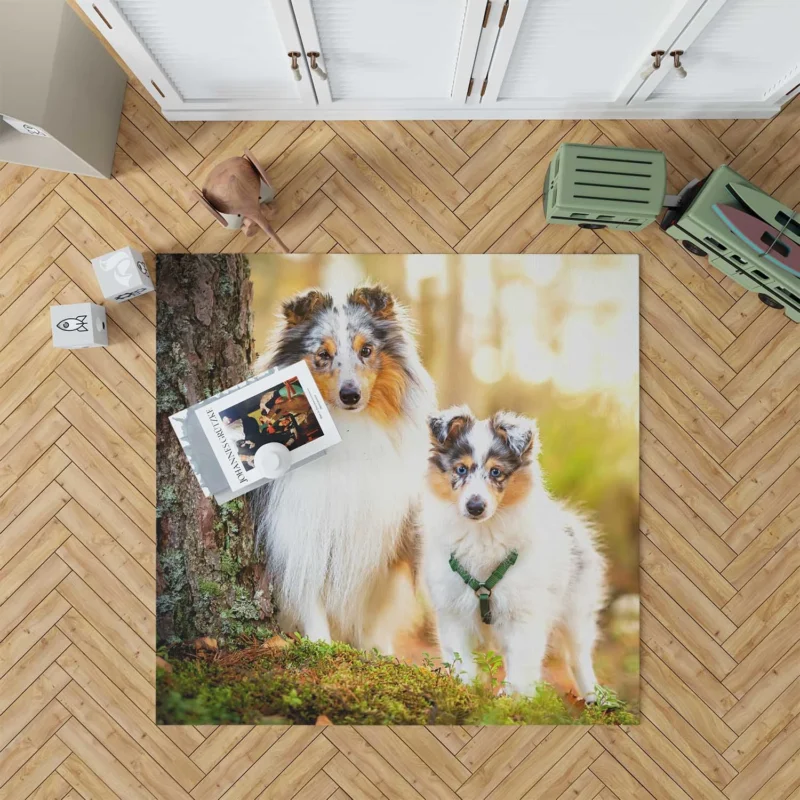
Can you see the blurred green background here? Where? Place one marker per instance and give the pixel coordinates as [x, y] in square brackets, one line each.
[552, 337]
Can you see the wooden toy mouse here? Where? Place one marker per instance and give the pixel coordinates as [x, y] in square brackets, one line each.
[234, 192]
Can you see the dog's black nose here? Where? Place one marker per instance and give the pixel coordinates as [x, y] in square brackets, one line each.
[349, 394]
[475, 506]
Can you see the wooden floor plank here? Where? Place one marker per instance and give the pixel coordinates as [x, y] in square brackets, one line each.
[283, 164]
[424, 220]
[237, 762]
[37, 769]
[102, 472]
[437, 143]
[683, 736]
[12, 176]
[109, 587]
[164, 762]
[111, 520]
[84, 782]
[139, 111]
[36, 296]
[109, 625]
[20, 532]
[30, 267]
[419, 161]
[31, 738]
[501, 180]
[40, 546]
[31, 593]
[676, 584]
[98, 759]
[680, 551]
[694, 691]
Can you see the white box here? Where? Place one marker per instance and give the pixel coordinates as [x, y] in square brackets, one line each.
[122, 274]
[78, 325]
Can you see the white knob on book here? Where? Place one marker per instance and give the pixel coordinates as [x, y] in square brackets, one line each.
[273, 460]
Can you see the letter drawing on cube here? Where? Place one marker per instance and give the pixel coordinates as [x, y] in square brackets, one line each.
[122, 275]
[78, 325]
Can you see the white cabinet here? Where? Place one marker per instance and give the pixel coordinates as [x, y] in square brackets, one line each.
[208, 55]
[734, 51]
[390, 54]
[574, 53]
[362, 59]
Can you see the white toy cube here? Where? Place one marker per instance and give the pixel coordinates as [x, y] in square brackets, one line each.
[122, 274]
[78, 325]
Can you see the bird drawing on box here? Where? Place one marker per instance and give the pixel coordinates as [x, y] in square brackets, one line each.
[77, 324]
[120, 264]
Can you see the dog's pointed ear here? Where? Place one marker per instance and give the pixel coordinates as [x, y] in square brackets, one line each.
[303, 306]
[375, 299]
[521, 434]
[446, 425]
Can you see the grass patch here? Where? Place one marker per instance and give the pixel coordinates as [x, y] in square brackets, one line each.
[298, 681]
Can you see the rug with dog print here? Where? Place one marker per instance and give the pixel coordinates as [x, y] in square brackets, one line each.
[466, 553]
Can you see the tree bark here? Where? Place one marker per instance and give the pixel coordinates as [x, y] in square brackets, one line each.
[209, 580]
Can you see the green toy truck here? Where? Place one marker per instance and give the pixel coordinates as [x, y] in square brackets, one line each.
[702, 232]
[613, 187]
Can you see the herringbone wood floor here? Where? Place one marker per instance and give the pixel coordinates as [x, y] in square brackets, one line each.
[720, 471]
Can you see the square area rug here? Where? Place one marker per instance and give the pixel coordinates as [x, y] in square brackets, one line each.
[461, 549]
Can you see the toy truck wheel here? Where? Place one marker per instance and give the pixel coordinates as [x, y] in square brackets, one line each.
[769, 301]
[592, 226]
[693, 248]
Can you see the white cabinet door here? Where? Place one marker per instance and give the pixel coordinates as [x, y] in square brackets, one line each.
[734, 51]
[380, 54]
[208, 54]
[577, 53]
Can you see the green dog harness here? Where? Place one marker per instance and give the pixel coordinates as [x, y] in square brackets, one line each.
[483, 590]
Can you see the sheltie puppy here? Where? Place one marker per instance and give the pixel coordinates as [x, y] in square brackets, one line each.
[485, 497]
[339, 532]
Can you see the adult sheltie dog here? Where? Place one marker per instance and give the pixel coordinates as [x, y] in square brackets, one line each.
[485, 500]
[338, 531]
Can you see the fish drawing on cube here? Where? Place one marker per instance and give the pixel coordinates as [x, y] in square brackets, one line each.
[78, 325]
[122, 275]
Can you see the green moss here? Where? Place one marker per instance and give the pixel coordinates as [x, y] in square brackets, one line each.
[173, 599]
[209, 588]
[167, 500]
[302, 680]
[225, 285]
[172, 370]
[173, 571]
[229, 566]
[228, 516]
[244, 611]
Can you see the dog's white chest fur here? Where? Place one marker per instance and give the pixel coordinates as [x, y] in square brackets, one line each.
[334, 523]
[557, 579]
[533, 586]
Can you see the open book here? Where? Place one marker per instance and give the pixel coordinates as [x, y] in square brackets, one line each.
[221, 435]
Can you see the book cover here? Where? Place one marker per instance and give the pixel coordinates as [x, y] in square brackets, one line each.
[222, 435]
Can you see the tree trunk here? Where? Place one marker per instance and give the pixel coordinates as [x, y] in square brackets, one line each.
[209, 580]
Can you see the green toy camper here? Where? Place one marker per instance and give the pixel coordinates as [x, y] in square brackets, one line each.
[605, 187]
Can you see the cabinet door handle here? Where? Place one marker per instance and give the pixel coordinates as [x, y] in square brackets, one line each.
[294, 55]
[676, 58]
[317, 70]
[651, 68]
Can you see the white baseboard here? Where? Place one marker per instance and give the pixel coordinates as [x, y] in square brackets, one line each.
[648, 111]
